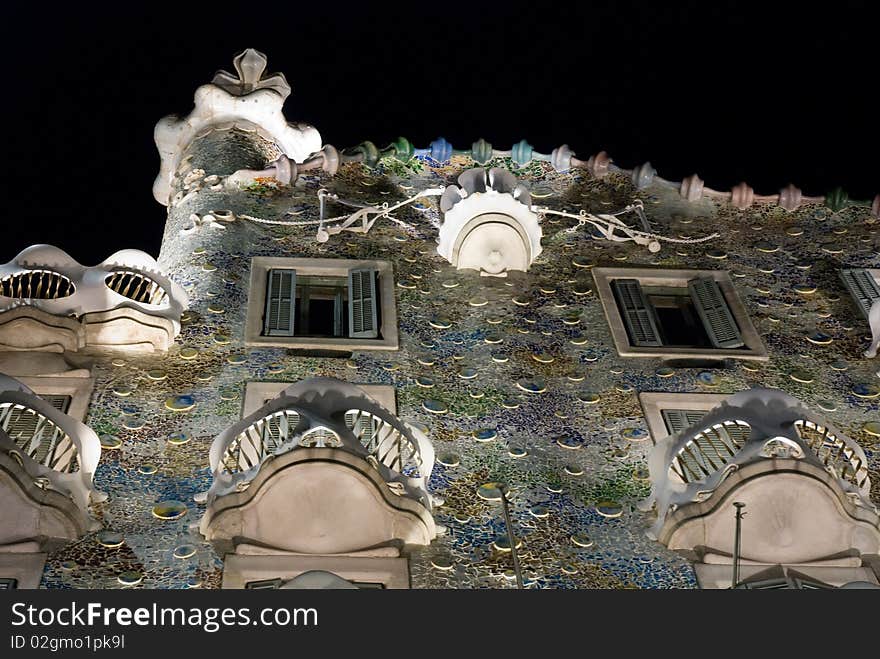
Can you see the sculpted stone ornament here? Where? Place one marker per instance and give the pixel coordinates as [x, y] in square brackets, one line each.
[250, 68]
[488, 224]
[250, 99]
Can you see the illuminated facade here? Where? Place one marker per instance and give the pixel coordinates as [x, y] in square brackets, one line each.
[342, 358]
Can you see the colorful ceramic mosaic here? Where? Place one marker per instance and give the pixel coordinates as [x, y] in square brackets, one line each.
[516, 379]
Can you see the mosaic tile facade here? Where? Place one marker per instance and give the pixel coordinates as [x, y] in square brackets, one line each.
[516, 379]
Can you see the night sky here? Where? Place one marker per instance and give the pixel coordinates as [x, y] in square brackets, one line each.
[713, 88]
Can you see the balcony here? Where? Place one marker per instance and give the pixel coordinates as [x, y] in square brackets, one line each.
[805, 485]
[322, 469]
[49, 302]
[47, 465]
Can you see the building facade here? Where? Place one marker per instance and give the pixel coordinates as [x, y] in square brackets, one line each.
[343, 360]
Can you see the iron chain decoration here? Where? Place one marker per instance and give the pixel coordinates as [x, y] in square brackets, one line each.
[608, 224]
[361, 221]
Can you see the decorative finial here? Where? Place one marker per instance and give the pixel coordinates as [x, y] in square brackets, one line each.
[251, 68]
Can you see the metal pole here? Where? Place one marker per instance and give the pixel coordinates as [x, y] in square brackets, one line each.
[736, 542]
[516, 570]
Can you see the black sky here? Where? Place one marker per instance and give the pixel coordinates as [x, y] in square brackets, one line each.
[716, 88]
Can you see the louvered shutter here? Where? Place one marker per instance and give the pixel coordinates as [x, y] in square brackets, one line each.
[273, 435]
[678, 420]
[280, 303]
[636, 312]
[363, 425]
[715, 314]
[59, 402]
[278, 428]
[264, 584]
[862, 287]
[38, 438]
[362, 309]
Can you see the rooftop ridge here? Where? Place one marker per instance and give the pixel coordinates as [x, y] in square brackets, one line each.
[563, 159]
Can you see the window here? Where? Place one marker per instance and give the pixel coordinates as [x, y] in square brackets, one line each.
[364, 425]
[377, 569]
[68, 394]
[687, 314]
[669, 413]
[322, 304]
[23, 425]
[257, 394]
[863, 285]
[275, 584]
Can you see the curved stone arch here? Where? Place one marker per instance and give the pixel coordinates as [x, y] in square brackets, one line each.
[85, 449]
[343, 506]
[48, 256]
[46, 478]
[318, 580]
[491, 218]
[694, 445]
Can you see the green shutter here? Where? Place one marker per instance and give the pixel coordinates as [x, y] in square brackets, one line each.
[711, 450]
[280, 303]
[264, 584]
[636, 312]
[362, 307]
[39, 439]
[862, 287]
[278, 428]
[363, 425]
[715, 314]
[59, 402]
[678, 420]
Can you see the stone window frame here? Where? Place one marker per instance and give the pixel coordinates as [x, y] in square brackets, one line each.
[25, 568]
[392, 572]
[603, 276]
[875, 275]
[257, 393]
[260, 266]
[79, 389]
[654, 402]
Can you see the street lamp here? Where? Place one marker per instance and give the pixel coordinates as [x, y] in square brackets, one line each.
[496, 491]
[737, 540]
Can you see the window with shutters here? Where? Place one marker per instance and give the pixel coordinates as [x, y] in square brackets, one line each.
[39, 437]
[669, 413]
[277, 583]
[68, 394]
[322, 304]
[257, 394]
[676, 314]
[864, 287]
